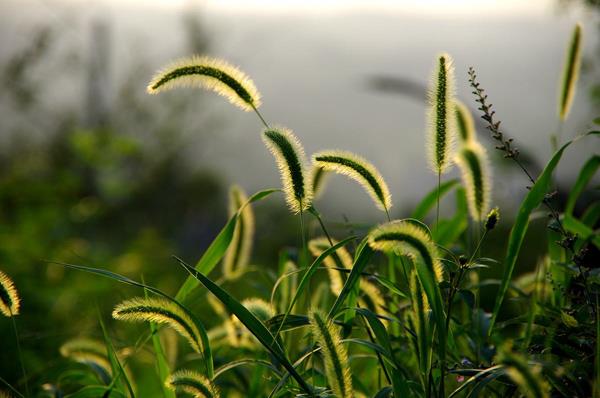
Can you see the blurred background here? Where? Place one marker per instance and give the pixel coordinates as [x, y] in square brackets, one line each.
[94, 171]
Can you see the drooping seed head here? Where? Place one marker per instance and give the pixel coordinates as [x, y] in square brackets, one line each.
[87, 351]
[492, 219]
[209, 73]
[474, 166]
[570, 73]
[407, 238]
[10, 302]
[237, 333]
[338, 259]
[441, 116]
[291, 161]
[334, 353]
[158, 310]
[319, 180]
[238, 254]
[465, 126]
[360, 170]
[193, 383]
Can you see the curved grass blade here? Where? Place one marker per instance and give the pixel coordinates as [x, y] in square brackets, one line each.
[255, 326]
[89, 352]
[570, 73]
[430, 199]
[238, 254]
[248, 361]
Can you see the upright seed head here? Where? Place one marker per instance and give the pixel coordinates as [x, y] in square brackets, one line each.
[9, 297]
[238, 254]
[570, 73]
[193, 383]
[441, 115]
[492, 219]
[465, 125]
[209, 73]
[335, 355]
[475, 171]
[291, 161]
[360, 170]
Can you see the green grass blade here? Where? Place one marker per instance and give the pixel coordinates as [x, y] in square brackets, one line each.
[248, 361]
[430, 199]
[256, 327]
[217, 249]
[533, 199]
[119, 375]
[585, 175]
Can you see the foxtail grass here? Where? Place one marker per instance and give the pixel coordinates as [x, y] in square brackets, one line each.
[87, 351]
[465, 126]
[238, 254]
[361, 171]
[474, 166]
[192, 383]
[339, 259]
[319, 177]
[570, 73]
[334, 353]
[291, 161]
[160, 311]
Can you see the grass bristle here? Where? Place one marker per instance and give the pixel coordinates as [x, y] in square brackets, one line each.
[441, 116]
[334, 354]
[291, 161]
[209, 73]
[406, 238]
[319, 180]
[238, 254]
[193, 383]
[360, 170]
[465, 126]
[474, 165]
[162, 311]
[10, 302]
[570, 73]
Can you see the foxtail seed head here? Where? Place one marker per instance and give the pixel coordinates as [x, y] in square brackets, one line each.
[319, 180]
[163, 311]
[9, 297]
[291, 161]
[339, 259]
[441, 115]
[570, 73]
[475, 171]
[193, 383]
[238, 254]
[334, 354]
[360, 170]
[209, 73]
[465, 126]
[492, 219]
[87, 351]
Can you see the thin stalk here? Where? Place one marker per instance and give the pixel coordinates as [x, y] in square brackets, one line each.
[260, 117]
[14, 325]
[387, 213]
[437, 213]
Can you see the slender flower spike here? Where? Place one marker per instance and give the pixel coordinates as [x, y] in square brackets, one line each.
[9, 297]
[192, 383]
[87, 351]
[360, 170]
[441, 116]
[141, 309]
[475, 170]
[334, 354]
[570, 73]
[464, 122]
[237, 256]
[290, 158]
[319, 179]
[209, 73]
[492, 219]
[339, 259]
[407, 238]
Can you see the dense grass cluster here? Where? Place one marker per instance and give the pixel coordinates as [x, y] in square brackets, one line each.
[394, 310]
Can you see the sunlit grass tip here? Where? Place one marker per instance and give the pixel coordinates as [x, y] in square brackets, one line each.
[334, 353]
[319, 180]
[360, 170]
[474, 166]
[88, 351]
[237, 333]
[192, 383]
[209, 73]
[10, 303]
[402, 237]
[239, 251]
[161, 311]
[291, 161]
[341, 258]
[465, 126]
[441, 115]
[570, 73]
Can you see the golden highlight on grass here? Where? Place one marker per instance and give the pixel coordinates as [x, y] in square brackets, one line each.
[238, 254]
[162, 311]
[403, 237]
[339, 259]
[441, 116]
[335, 355]
[465, 126]
[193, 383]
[237, 334]
[87, 351]
[209, 73]
[570, 73]
[10, 302]
[319, 180]
[360, 170]
[291, 161]
[474, 166]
